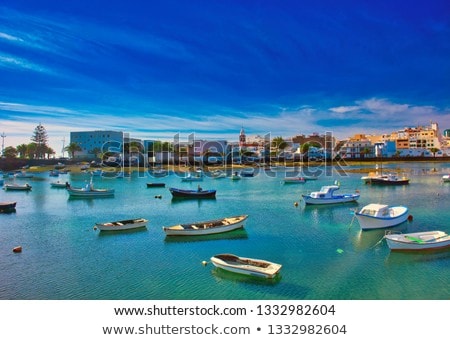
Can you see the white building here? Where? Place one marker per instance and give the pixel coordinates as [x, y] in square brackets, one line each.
[94, 142]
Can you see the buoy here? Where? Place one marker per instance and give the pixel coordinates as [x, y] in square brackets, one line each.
[295, 204]
[95, 228]
[410, 218]
[17, 249]
[204, 263]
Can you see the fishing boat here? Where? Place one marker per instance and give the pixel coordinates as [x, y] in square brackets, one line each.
[376, 216]
[59, 184]
[246, 266]
[388, 179]
[156, 185]
[122, 225]
[220, 225]
[89, 191]
[425, 240]
[326, 196]
[6, 207]
[296, 179]
[199, 193]
[17, 187]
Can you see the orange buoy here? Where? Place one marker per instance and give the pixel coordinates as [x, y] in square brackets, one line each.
[410, 218]
[17, 249]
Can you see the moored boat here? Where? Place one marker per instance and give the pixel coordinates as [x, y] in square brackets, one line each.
[326, 196]
[235, 176]
[89, 191]
[389, 179]
[246, 266]
[425, 240]
[18, 187]
[122, 225]
[445, 178]
[59, 184]
[297, 179]
[376, 216]
[199, 193]
[156, 185]
[6, 207]
[23, 174]
[207, 227]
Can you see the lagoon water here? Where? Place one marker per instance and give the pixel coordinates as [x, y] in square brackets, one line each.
[322, 249]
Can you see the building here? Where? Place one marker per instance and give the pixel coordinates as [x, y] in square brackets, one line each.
[93, 143]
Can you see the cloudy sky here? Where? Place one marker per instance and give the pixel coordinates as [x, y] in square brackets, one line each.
[157, 68]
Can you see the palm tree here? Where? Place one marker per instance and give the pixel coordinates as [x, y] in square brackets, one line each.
[72, 148]
[22, 150]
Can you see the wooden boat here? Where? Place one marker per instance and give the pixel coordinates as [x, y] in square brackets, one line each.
[6, 207]
[296, 179]
[89, 191]
[425, 240]
[122, 225]
[376, 216]
[199, 193]
[389, 179]
[59, 184]
[156, 185]
[326, 196]
[246, 266]
[207, 227]
[22, 187]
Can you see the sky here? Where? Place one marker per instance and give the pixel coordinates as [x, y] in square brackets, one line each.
[159, 68]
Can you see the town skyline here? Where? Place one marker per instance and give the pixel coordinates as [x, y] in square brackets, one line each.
[209, 68]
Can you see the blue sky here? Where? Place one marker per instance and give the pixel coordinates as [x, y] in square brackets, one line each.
[157, 68]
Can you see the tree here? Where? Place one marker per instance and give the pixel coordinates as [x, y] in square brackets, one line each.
[49, 152]
[22, 150]
[10, 152]
[31, 150]
[434, 150]
[279, 143]
[40, 137]
[72, 148]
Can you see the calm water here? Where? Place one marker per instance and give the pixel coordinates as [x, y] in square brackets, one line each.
[323, 252]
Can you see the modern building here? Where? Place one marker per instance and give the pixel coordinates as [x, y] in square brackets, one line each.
[93, 143]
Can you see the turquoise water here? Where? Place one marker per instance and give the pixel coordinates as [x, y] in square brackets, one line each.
[323, 252]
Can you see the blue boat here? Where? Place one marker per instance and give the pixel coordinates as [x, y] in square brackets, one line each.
[199, 193]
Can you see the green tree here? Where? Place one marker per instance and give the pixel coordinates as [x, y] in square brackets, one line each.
[31, 150]
[49, 152]
[40, 137]
[72, 148]
[22, 150]
[434, 150]
[279, 143]
[305, 147]
[10, 152]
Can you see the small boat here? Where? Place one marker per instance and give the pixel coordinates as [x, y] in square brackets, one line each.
[122, 225]
[22, 187]
[89, 191]
[59, 184]
[235, 176]
[246, 266]
[156, 185]
[53, 173]
[23, 174]
[218, 174]
[159, 172]
[199, 193]
[376, 216]
[326, 196]
[248, 172]
[6, 207]
[207, 227]
[197, 176]
[446, 178]
[296, 179]
[425, 240]
[389, 179]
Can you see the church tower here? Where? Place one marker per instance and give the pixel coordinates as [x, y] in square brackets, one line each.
[242, 138]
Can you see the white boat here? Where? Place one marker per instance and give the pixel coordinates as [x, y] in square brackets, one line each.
[326, 196]
[122, 225]
[22, 187]
[446, 178]
[89, 191]
[246, 266]
[218, 174]
[296, 179]
[376, 216]
[424, 240]
[207, 227]
[197, 176]
[23, 174]
[59, 184]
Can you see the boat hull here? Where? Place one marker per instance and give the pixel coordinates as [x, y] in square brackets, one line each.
[178, 193]
[207, 227]
[122, 225]
[418, 241]
[370, 222]
[6, 207]
[331, 200]
[241, 265]
[90, 193]
[380, 181]
[11, 187]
